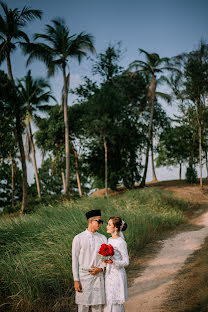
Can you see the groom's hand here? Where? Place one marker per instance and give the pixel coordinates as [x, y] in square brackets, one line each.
[77, 286]
[95, 270]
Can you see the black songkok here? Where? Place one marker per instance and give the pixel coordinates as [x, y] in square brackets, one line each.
[93, 213]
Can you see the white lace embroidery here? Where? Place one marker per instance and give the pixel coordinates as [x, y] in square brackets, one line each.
[115, 278]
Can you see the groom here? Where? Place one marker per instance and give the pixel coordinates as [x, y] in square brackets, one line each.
[87, 266]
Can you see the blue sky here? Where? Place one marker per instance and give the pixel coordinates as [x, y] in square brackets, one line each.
[167, 27]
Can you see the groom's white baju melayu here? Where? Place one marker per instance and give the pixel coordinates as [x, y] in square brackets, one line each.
[115, 277]
[85, 247]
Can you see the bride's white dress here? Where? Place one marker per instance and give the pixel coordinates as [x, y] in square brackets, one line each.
[115, 277]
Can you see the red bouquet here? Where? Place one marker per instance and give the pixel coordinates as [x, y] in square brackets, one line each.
[106, 251]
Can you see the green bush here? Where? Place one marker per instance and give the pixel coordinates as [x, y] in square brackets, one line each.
[191, 175]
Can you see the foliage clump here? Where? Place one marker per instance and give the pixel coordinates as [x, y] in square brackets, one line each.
[191, 175]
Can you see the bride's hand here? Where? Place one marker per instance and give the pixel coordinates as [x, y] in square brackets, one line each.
[108, 261]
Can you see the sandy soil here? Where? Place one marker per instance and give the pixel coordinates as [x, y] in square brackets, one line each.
[151, 288]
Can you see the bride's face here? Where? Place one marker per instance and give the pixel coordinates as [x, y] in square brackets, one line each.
[110, 227]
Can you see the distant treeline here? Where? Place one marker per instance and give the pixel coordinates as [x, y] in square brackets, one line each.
[116, 122]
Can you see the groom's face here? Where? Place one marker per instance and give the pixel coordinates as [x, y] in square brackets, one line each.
[96, 222]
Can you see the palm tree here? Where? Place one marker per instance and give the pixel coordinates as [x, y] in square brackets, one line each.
[150, 68]
[33, 95]
[11, 34]
[60, 46]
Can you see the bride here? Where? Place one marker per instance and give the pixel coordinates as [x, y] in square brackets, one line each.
[115, 277]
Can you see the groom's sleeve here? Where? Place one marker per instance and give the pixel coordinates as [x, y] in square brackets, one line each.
[75, 258]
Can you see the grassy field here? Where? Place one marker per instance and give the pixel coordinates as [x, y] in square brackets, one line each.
[35, 249]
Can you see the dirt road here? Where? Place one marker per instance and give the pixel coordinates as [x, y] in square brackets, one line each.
[151, 288]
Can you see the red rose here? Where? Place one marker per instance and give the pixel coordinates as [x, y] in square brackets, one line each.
[103, 249]
[110, 250]
[106, 250]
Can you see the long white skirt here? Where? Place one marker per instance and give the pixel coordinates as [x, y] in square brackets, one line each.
[114, 307]
[84, 308]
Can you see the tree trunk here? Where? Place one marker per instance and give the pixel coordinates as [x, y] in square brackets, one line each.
[151, 96]
[12, 164]
[77, 175]
[34, 158]
[66, 130]
[180, 171]
[23, 161]
[77, 171]
[192, 152]
[200, 143]
[43, 156]
[63, 179]
[9, 67]
[154, 177]
[20, 143]
[106, 168]
[200, 156]
[206, 162]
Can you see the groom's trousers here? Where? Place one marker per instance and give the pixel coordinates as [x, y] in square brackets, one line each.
[84, 308]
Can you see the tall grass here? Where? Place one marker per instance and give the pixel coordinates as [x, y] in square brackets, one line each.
[35, 249]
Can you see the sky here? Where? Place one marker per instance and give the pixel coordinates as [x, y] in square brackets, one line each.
[166, 27]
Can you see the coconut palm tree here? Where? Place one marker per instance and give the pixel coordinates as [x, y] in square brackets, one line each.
[12, 24]
[58, 47]
[34, 93]
[150, 68]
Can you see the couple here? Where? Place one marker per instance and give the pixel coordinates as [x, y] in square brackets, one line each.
[87, 266]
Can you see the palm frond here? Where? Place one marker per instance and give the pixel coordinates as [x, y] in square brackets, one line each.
[171, 69]
[78, 46]
[86, 41]
[163, 79]
[53, 66]
[33, 95]
[45, 37]
[59, 22]
[61, 46]
[22, 34]
[79, 55]
[37, 51]
[28, 15]
[4, 7]
[164, 60]
[3, 51]
[2, 25]
[145, 52]
[164, 96]
[44, 108]
[139, 64]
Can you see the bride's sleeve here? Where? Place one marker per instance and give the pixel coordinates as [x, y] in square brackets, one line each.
[124, 256]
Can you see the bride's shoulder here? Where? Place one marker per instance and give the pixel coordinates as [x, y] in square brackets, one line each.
[122, 241]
